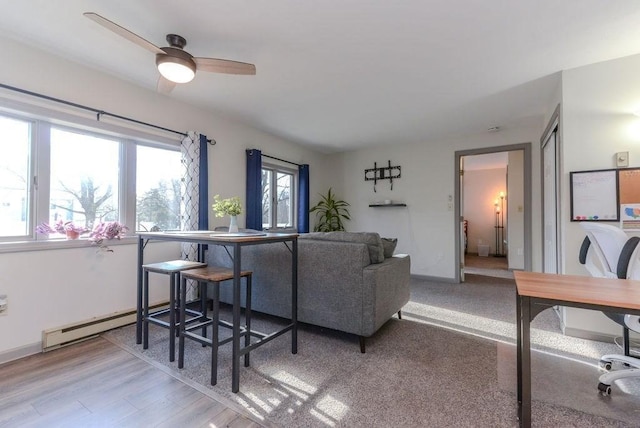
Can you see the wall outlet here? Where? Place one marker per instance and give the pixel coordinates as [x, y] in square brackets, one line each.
[4, 305]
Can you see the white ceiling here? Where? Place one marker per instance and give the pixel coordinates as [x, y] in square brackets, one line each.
[345, 74]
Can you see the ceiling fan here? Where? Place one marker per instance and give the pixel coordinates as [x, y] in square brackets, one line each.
[174, 63]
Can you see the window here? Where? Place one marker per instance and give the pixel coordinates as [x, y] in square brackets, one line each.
[50, 172]
[278, 198]
[158, 189]
[84, 178]
[15, 146]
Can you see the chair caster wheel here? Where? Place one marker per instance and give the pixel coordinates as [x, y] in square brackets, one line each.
[607, 365]
[604, 389]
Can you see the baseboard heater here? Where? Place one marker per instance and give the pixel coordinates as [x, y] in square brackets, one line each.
[58, 337]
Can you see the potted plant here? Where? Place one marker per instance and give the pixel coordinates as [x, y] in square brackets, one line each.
[103, 231]
[330, 213]
[231, 207]
[68, 228]
[107, 231]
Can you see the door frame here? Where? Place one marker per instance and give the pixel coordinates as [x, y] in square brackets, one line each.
[527, 201]
[553, 125]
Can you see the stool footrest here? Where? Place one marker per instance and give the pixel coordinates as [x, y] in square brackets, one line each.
[202, 323]
[158, 322]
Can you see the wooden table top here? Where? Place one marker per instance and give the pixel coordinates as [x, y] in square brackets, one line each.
[617, 293]
[213, 236]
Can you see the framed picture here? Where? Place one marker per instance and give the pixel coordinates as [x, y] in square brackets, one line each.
[630, 216]
[594, 195]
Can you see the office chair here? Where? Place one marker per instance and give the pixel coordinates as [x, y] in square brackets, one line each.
[611, 247]
[606, 241]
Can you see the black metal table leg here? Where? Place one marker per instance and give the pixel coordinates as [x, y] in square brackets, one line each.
[247, 319]
[145, 309]
[524, 363]
[183, 299]
[235, 352]
[294, 296]
[139, 292]
[172, 315]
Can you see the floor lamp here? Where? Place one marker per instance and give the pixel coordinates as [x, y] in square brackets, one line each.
[499, 225]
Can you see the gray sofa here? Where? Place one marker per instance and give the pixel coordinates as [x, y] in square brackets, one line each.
[344, 281]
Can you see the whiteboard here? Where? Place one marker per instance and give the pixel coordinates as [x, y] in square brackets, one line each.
[594, 195]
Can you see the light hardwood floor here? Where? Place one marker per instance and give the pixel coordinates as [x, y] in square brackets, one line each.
[97, 384]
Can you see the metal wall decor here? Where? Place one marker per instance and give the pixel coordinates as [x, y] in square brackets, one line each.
[382, 173]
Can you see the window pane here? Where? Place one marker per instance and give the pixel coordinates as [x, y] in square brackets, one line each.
[158, 179]
[15, 142]
[84, 178]
[284, 210]
[266, 199]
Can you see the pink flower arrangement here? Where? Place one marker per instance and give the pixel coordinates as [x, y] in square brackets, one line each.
[103, 231]
[107, 231]
[60, 227]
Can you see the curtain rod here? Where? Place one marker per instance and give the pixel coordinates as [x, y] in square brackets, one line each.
[96, 111]
[281, 160]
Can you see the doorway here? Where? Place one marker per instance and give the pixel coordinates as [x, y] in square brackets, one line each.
[486, 200]
[498, 239]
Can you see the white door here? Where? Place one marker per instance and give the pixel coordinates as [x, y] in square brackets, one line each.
[550, 162]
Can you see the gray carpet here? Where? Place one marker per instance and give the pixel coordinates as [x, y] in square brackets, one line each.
[449, 362]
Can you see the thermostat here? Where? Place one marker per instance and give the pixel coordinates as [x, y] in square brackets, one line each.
[622, 159]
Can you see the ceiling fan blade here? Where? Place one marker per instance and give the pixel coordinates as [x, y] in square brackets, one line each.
[121, 31]
[215, 65]
[165, 86]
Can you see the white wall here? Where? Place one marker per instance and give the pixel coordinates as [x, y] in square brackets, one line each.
[597, 121]
[481, 188]
[47, 289]
[425, 228]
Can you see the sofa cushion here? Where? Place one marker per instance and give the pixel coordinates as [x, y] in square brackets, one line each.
[371, 239]
[389, 246]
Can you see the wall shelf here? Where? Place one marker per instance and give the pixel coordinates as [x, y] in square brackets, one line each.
[386, 205]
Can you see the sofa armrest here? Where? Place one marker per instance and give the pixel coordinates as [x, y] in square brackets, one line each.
[387, 291]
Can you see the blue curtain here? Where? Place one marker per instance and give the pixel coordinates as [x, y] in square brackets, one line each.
[254, 189]
[203, 181]
[303, 198]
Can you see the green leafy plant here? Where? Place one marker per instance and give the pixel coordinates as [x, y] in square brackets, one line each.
[330, 213]
[230, 206]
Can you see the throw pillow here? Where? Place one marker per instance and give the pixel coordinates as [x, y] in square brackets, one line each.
[389, 246]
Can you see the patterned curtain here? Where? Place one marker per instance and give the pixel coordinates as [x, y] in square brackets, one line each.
[194, 206]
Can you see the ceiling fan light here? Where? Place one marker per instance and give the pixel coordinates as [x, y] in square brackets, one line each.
[175, 69]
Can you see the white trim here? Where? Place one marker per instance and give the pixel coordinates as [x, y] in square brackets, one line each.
[59, 117]
[20, 352]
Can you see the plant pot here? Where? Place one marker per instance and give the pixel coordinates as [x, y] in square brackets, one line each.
[72, 234]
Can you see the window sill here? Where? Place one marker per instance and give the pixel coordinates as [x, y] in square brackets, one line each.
[59, 244]
[281, 230]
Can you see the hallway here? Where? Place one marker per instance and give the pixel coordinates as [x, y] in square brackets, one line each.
[487, 266]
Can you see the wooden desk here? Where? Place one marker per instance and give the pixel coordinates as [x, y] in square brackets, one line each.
[234, 241]
[539, 291]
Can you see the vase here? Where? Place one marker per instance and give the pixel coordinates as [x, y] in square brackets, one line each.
[72, 234]
[233, 224]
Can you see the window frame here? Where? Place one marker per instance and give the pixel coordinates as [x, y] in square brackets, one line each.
[42, 119]
[273, 169]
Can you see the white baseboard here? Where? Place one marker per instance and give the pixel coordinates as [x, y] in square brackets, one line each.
[21, 352]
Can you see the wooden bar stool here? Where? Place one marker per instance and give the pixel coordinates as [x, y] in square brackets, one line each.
[212, 275]
[172, 268]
